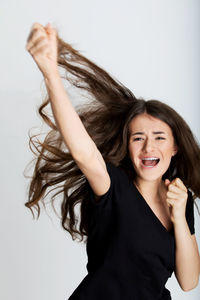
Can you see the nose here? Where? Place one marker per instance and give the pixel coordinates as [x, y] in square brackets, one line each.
[148, 145]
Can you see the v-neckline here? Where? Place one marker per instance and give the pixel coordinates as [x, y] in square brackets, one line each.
[151, 211]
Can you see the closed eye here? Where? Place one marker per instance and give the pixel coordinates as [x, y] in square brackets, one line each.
[160, 138]
[136, 139]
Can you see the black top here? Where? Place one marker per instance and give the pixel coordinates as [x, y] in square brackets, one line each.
[131, 254]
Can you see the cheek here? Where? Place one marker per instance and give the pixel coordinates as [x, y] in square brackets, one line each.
[133, 150]
[167, 150]
[167, 155]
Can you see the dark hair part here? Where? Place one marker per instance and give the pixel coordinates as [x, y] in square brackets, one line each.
[106, 118]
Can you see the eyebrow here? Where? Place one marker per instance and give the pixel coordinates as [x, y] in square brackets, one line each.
[154, 132]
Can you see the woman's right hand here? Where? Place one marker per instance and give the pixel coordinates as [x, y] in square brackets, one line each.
[42, 45]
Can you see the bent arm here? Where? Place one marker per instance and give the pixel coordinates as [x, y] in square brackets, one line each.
[187, 257]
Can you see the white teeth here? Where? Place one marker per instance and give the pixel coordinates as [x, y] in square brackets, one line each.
[150, 158]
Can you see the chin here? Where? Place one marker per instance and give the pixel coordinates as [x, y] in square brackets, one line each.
[151, 174]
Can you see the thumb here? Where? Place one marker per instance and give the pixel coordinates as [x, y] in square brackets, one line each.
[48, 26]
[167, 182]
[49, 29]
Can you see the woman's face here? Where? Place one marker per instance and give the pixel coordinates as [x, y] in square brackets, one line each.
[151, 146]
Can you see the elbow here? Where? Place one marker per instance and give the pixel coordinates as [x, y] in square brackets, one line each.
[191, 287]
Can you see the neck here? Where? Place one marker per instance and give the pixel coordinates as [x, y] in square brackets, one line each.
[152, 190]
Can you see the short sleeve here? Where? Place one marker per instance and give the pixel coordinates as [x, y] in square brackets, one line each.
[105, 201]
[189, 213]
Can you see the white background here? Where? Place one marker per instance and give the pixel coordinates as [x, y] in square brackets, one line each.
[152, 46]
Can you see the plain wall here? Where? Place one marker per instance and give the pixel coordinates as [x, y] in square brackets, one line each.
[152, 47]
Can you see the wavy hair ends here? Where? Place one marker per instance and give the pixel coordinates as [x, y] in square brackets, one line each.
[106, 119]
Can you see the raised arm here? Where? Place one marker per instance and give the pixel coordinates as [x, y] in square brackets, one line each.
[75, 136]
[42, 45]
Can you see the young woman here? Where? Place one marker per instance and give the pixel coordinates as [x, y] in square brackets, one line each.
[132, 165]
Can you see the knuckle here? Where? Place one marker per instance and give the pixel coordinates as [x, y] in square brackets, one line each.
[36, 24]
[35, 31]
[173, 181]
[169, 187]
[41, 39]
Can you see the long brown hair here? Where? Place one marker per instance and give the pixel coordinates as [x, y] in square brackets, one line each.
[106, 118]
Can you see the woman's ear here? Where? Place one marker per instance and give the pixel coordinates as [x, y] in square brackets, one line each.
[175, 150]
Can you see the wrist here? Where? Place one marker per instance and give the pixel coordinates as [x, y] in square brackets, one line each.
[52, 78]
[181, 221]
[54, 73]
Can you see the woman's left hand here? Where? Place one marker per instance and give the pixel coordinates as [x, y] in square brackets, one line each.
[176, 198]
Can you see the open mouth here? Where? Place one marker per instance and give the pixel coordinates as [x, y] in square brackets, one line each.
[150, 162]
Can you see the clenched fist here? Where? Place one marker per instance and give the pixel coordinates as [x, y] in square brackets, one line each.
[42, 45]
[176, 198]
